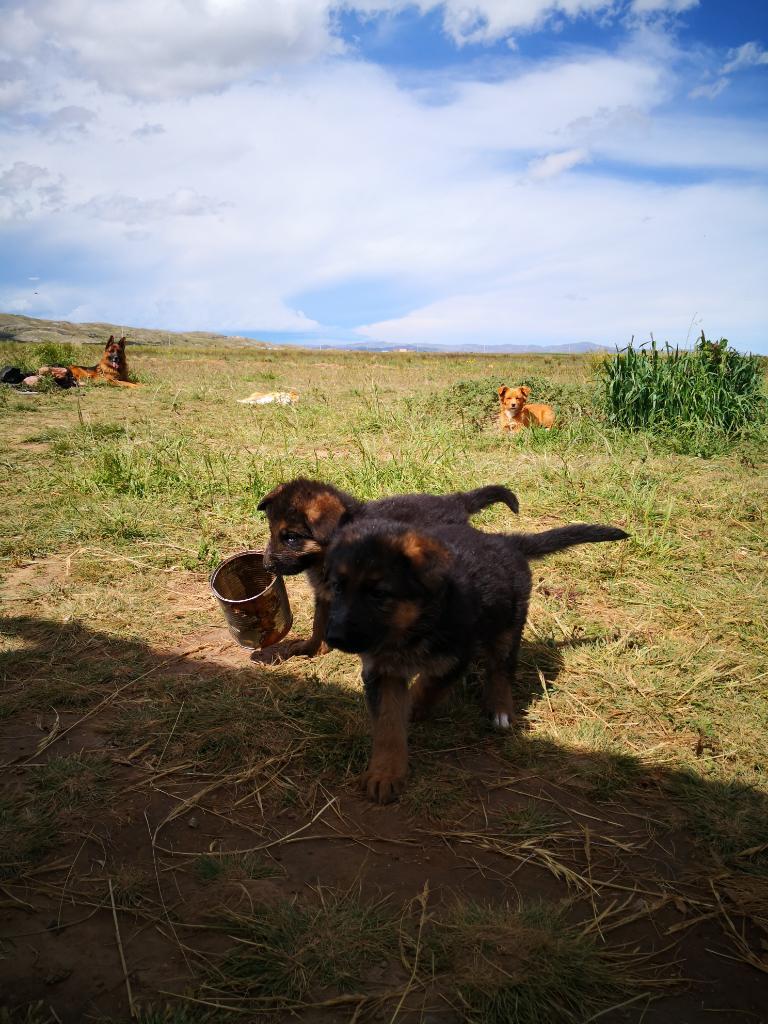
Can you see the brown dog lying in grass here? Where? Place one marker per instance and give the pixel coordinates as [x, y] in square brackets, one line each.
[515, 412]
[430, 603]
[304, 514]
[112, 367]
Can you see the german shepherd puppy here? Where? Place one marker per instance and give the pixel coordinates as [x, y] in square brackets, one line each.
[410, 602]
[304, 514]
[112, 367]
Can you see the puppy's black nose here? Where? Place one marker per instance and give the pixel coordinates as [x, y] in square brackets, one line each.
[334, 637]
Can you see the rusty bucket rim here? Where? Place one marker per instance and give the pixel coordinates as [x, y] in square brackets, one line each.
[231, 558]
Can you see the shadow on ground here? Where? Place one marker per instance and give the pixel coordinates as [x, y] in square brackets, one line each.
[152, 798]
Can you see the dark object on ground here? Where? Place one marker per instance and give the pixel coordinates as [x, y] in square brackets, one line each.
[13, 375]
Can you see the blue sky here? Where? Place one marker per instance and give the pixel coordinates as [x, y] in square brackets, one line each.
[467, 171]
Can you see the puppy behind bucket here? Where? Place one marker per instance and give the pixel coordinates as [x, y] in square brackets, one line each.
[253, 600]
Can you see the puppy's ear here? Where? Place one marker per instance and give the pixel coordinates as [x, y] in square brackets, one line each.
[269, 498]
[325, 514]
[121, 343]
[110, 339]
[525, 390]
[427, 556]
[503, 390]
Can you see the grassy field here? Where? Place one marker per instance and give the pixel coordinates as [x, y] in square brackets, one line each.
[181, 835]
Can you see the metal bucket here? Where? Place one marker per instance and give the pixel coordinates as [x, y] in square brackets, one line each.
[254, 601]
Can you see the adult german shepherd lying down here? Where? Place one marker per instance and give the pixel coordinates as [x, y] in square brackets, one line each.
[304, 514]
[112, 367]
[412, 602]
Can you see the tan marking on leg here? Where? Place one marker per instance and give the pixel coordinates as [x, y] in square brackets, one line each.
[497, 694]
[385, 778]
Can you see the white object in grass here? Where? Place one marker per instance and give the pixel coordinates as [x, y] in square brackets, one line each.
[270, 397]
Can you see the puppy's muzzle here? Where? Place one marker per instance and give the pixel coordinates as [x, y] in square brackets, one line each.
[339, 634]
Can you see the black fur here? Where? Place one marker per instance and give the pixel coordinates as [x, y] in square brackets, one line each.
[471, 589]
[288, 552]
[536, 545]
[304, 515]
[430, 509]
[427, 603]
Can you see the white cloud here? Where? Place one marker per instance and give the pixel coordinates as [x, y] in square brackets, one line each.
[710, 90]
[604, 261]
[486, 21]
[148, 129]
[13, 87]
[69, 119]
[554, 164]
[27, 190]
[663, 6]
[20, 177]
[691, 144]
[150, 50]
[746, 56]
[175, 48]
[122, 209]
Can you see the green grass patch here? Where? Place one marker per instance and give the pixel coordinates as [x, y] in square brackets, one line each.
[525, 964]
[284, 950]
[233, 867]
[32, 819]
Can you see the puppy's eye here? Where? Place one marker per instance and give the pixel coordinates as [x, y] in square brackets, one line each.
[293, 540]
[380, 592]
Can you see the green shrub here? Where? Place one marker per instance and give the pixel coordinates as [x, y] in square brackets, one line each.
[713, 387]
[52, 353]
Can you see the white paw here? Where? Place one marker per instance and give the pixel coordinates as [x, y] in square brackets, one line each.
[501, 720]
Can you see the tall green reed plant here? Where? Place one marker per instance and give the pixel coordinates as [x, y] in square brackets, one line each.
[712, 386]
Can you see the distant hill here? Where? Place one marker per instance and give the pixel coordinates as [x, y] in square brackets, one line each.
[377, 346]
[29, 330]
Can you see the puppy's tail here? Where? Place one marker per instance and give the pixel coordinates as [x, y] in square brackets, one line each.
[536, 545]
[483, 497]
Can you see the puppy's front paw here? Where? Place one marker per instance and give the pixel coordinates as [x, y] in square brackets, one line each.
[501, 720]
[286, 649]
[382, 785]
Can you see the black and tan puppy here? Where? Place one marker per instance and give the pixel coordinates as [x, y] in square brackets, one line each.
[412, 602]
[304, 514]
